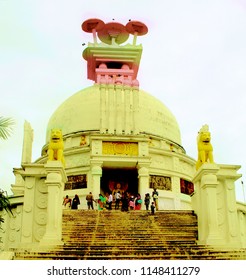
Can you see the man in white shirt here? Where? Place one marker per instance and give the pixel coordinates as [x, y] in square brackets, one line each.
[117, 200]
[110, 201]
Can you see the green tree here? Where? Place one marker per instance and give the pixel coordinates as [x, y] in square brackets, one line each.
[6, 127]
[4, 202]
[4, 205]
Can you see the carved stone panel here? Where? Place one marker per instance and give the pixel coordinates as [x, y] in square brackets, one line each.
[76, 182]
[120, 148]
[186, 187]
[160, 182]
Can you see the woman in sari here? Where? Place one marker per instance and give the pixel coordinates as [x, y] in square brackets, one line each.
[101, 202]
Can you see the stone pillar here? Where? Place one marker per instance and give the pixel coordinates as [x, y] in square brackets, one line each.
[206, 204]
[96, 173]
[28, 210]
[143, 180]
[103, 108]
[55, 180]
[214, 202]
[27, 144]
[135, 96]
[128, 110]
[228, 209]
[176, 189]
[111, 109]
[119, 109]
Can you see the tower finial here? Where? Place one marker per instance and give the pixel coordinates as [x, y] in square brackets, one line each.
[136, 28]
[92, 25]
[108, 60]
[113, 32]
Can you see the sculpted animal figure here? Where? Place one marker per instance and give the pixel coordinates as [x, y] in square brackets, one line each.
[56, 146]
[204, 146]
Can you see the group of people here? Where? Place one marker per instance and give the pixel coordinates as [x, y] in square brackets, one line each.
[127, 200]
[69, 203]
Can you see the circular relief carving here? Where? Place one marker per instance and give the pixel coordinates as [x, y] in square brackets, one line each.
[18, 210]
[42, 187]
[230, 186]
[41, 218]
[28, 208]
[219, 203]
[29, 186]
[12, 224]
[120, 148]
[221, 219]
[12, 237]
[39, 233]
[42, 201]
[17, 228]
[26, 233]
[231, 206]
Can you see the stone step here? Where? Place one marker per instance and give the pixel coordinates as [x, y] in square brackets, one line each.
[117, 231]
[141, 255]
[112, 235]
[128, 240]
[194, 249]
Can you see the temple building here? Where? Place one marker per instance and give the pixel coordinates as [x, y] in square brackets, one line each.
[113, 136]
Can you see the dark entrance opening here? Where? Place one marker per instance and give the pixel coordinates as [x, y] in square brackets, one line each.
[114, 179]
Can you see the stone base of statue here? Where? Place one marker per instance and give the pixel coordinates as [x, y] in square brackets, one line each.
[214, 203]
[55, 180]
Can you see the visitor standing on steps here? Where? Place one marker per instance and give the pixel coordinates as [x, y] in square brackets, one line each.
[110, 201]
[100, 202]
[117, 200]
[152, 208]
[131, 203]
[90, 199]
[147, 201]
[67, 202]
[155, 195]
[138, 202]
[125, 202]
[75, 202]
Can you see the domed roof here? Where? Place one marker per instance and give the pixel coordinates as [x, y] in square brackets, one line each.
[81, 112]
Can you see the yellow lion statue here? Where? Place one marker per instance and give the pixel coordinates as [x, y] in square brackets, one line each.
[204, 146]
[56, 146]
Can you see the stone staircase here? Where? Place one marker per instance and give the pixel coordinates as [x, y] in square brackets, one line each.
[104, 235]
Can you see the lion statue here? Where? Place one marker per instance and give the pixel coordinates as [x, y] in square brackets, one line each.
[204, 146]
[56, 146]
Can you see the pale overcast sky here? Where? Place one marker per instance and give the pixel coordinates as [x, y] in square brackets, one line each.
[193, 60]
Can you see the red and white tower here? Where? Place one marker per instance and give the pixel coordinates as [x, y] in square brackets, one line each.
[114, 68]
